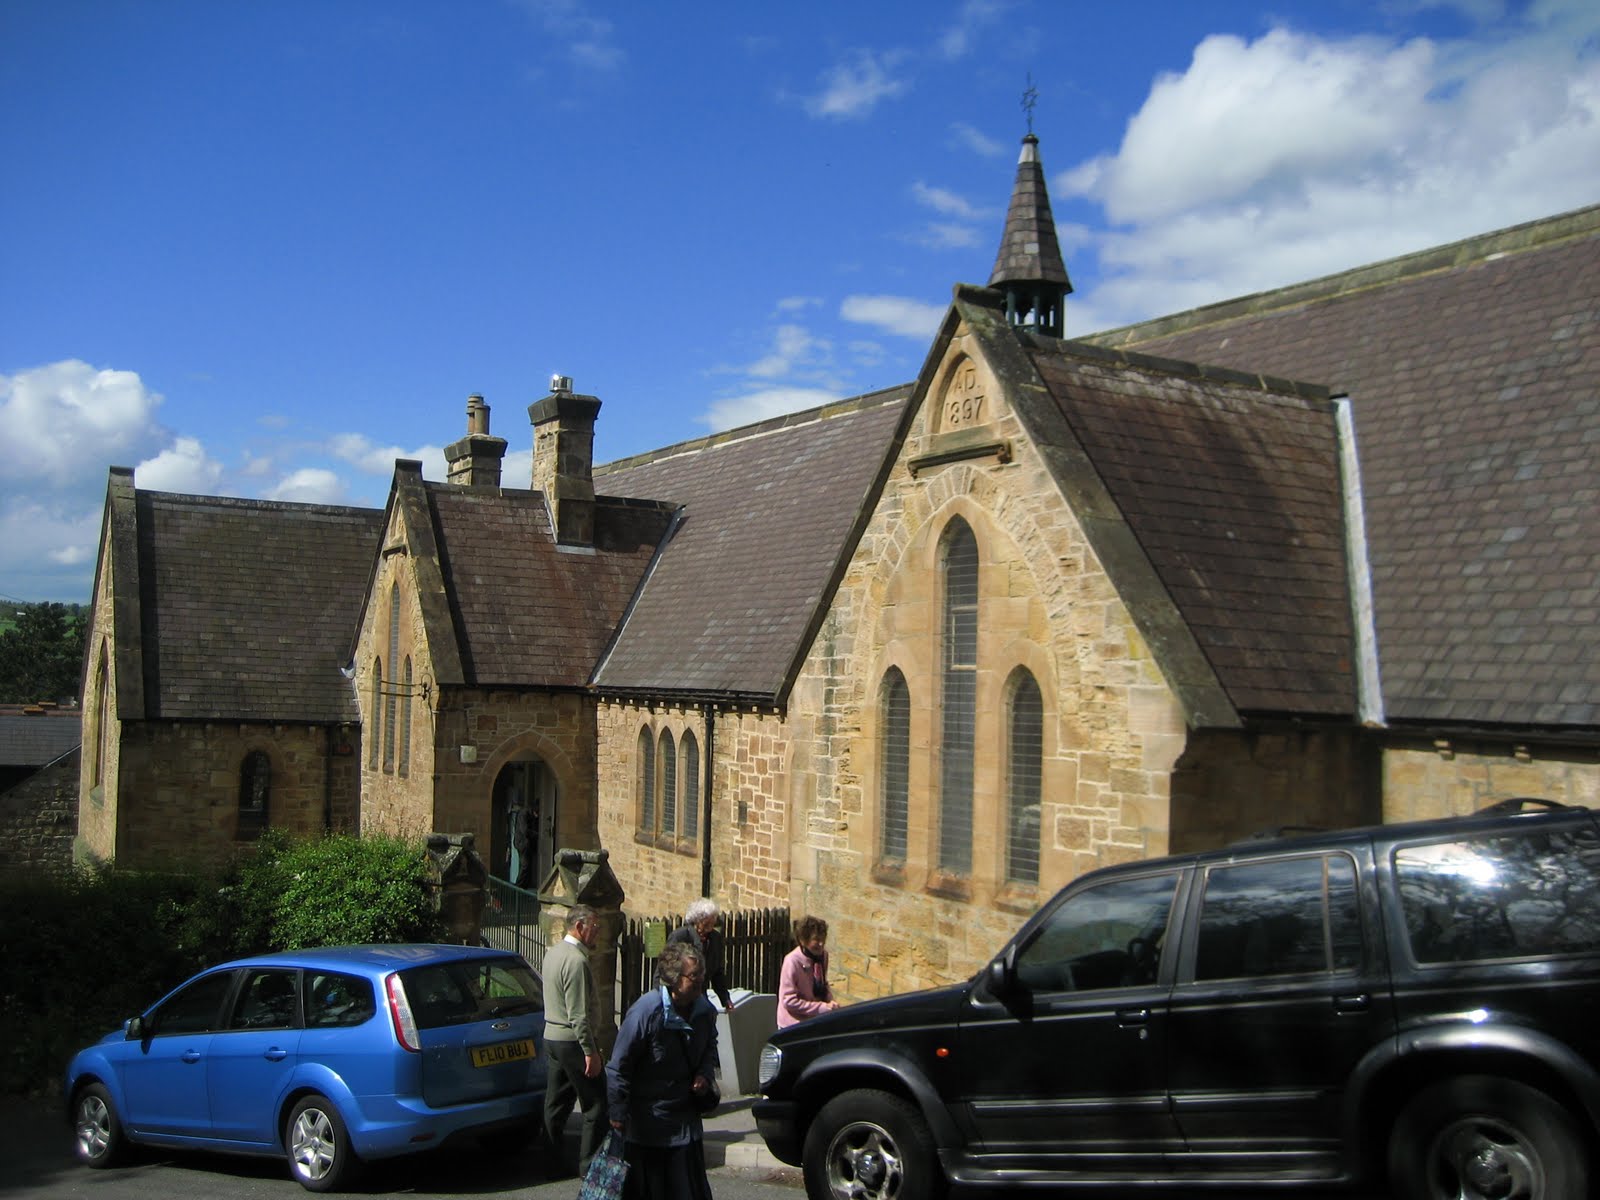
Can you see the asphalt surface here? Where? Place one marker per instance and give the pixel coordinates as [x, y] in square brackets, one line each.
[36, 1163]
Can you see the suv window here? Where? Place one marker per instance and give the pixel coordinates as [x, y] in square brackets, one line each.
[1105, 936]
[1509, 895]
[460, 992]
[1284, 917]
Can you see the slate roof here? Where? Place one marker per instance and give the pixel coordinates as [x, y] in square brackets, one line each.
[34, 738]
[245, 606]
[526, 612]
[1474, 376]
[770, 514]
[1232, 489]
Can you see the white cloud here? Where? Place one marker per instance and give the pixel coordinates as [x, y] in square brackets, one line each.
[764, 403]
[1293, 156]
[47, 550]
[942, 235]
[366, 455]
[183, 466]
[309, 485]
[957, 41]
[946, 202]
[894, 314]
[854, 87]
[66, 420]
[962, 134]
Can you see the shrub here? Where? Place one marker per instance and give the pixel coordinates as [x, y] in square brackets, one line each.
[82, 953]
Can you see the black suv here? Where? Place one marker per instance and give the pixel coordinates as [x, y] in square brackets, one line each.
[1421, 1000]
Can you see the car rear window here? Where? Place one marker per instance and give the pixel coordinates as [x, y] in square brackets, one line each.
[334, 999]
[1507, 895]
[456, 993]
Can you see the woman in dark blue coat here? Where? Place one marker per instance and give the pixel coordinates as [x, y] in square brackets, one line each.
[661, 1076]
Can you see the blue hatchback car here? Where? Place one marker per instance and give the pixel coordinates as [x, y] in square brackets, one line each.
[326, 1056]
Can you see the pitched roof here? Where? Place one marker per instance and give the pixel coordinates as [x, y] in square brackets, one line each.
[31, 736]
[245, 606]
[1474, 375]
[527, 612]
[1213, 500]
[769, 516]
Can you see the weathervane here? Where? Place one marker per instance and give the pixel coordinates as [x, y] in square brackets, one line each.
[1029, 99]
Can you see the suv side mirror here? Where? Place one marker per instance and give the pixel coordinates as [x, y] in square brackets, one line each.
[1001, 975]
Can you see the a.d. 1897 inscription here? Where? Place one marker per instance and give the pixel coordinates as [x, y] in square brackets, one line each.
[964, 402]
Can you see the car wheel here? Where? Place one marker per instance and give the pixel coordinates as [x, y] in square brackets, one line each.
[97, 1133]
[1482, 1138]
[870, 1145]
[320, 1157]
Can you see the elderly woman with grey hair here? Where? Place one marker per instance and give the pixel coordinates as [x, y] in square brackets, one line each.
[699, 929]
[661, 1077]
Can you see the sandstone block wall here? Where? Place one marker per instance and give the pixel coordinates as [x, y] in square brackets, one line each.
[39, 819]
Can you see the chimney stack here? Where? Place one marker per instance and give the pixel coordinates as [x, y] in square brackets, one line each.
[563, 459]
[474, 461]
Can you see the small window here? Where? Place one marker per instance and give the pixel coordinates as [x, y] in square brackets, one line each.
[197, 1008]
[1518, 895]
[374, 730]
[895, 767]
[390, 698]
[669, 786]
[333, 999]
[691, 786]
[1106, 936]
[1024, 777]
[646, 782]
[1285, 917]
[269, 999]
[405, 722]
[255, 787]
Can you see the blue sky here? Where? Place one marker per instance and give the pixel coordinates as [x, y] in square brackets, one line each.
[263, 249]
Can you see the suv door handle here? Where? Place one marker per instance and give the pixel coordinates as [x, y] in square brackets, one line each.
[1359, 1002]
[1133, 1016]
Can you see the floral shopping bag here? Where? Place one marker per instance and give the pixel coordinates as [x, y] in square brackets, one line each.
[607, 1169]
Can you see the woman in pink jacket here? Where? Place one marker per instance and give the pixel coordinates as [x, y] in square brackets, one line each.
[803, 982]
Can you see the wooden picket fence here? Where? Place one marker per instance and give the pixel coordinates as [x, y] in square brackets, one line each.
[754, 941]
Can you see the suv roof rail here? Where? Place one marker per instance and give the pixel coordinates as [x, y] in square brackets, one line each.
[1275, 832]
[1517, 804]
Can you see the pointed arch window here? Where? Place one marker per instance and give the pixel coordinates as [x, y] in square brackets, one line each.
[405, 722]
[373, 730]
[894, 759]
[647, 783]
[691, 786]
[668, 767]
[390, 699]
[102, 721]
[255, 788]
[958, 563]
[1024, 777]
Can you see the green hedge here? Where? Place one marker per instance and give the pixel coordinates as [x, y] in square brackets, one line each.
[81, 954]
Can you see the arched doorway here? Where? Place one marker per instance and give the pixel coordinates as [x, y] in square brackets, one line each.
[522, 844]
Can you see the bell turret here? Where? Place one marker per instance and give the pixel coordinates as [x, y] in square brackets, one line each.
[1028, 268]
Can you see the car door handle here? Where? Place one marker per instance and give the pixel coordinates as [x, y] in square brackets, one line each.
[190, 1056]
[1133, 1016]
[1357, 1003]
[275, 1055]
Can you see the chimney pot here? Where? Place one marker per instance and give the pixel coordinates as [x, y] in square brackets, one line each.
[560, 384]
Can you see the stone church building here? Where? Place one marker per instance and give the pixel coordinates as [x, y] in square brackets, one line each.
[1319, 556]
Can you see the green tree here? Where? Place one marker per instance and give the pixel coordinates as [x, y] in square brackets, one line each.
[41, 654]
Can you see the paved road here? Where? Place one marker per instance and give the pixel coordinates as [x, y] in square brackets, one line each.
[36, 1163]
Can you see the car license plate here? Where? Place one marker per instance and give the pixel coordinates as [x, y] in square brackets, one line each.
[502, 1052]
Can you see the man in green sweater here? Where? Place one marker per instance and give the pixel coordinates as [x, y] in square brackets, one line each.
[572, 1056]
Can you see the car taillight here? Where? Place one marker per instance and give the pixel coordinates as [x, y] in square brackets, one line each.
[405, 1025]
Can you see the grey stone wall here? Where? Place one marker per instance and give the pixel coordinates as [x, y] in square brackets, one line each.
[39, 819]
